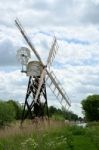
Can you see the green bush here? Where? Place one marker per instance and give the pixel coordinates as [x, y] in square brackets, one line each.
[7, 113]
[91, 124]
[57, 117]
[76, 130]
[17, 108]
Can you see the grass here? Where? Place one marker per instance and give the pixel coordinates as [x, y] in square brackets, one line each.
[53, 136]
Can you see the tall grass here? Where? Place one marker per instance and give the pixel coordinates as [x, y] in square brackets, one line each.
[47, 135]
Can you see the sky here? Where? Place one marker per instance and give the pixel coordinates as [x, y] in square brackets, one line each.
[75, 23]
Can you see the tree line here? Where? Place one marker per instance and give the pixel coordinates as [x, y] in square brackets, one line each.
[12, 110]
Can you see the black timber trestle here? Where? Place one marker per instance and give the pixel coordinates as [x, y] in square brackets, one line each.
[36, 108]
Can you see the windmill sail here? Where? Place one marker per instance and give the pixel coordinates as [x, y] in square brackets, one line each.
[52, 52]
[40, 84]
[18, 24]
[57, 89]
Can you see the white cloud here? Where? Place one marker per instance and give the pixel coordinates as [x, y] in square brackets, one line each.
[12, 85]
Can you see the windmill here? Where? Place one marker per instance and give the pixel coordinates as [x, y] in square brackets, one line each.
[39, 76]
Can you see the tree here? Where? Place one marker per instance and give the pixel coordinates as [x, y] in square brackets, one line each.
[62, 114]
[91, 107]
[52, 110]
[69, 115]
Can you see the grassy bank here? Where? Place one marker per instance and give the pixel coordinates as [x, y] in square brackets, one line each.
[49, 136]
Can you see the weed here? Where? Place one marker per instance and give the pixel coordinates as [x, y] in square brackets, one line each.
[29, 144]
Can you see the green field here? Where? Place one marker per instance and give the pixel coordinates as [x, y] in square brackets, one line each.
[54, 135]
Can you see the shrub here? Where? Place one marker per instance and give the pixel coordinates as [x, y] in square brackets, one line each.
[76, 130]
[17, 108]
[92, 124]
[7, 113]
